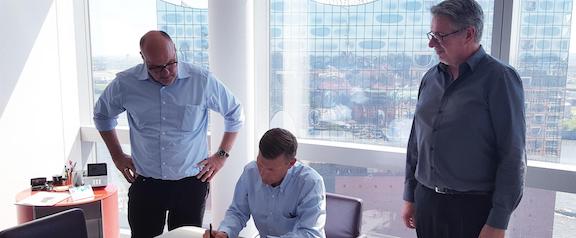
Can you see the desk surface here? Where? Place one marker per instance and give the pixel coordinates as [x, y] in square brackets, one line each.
[185, 231]
[100, 193]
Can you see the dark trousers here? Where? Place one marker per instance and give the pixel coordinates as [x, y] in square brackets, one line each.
[450, 215]
[149, 200]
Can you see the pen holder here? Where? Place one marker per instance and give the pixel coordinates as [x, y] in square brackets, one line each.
[69, 179]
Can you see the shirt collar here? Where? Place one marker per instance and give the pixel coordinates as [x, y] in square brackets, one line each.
[471, 62]
[143, 72]
[287, 178]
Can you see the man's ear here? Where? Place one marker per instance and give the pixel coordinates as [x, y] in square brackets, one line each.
[292, 162]
[471, 34]
[142, 55]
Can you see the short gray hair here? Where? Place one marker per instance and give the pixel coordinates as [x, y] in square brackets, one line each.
[462, 13]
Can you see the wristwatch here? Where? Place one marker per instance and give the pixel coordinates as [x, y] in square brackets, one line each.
[222, 153]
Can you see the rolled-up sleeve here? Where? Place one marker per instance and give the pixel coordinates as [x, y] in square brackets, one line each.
[224, 102]
[506, 101]
[108, 106]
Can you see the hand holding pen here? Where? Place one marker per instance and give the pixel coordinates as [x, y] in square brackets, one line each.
[214, 234]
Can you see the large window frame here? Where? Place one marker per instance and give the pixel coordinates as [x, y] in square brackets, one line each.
[543, 175]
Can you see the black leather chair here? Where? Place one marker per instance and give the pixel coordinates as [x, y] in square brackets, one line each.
[65, 224]
[343, 216]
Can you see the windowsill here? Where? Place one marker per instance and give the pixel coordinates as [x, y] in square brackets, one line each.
[544, 175]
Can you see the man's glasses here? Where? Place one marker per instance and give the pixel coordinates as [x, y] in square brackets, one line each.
[161, 68]
[439, 37]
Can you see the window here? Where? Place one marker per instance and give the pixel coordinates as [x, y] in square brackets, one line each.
[350, 73]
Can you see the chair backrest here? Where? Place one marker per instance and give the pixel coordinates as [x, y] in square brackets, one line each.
[65, 224]
[343, 216]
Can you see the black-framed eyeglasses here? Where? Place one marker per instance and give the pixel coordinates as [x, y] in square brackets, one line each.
[439, 37]
[161, 68]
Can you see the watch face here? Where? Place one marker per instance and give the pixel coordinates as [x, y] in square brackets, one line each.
[222, 153]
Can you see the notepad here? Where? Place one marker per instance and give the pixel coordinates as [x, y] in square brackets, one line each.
[81, 192]
[44, 199]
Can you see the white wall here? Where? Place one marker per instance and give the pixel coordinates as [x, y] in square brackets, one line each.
[39, 119]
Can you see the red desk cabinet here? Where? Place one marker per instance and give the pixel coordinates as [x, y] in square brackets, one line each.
[101, 211]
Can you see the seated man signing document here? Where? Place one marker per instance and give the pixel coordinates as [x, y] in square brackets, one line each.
[285, 197]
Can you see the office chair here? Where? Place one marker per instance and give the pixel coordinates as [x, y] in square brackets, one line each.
[65, 224]
[343, 216]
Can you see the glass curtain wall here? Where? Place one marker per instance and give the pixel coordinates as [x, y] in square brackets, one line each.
[349, 71]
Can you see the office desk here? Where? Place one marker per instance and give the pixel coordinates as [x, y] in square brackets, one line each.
[101, 211]
[185, 231]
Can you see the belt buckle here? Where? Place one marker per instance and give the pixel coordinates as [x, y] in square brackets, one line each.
[440, 190]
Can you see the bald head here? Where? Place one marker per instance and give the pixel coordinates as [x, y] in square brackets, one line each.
[159, 53]
[156, 40]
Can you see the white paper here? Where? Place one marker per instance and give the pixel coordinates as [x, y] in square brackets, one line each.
[81, 192]
[44, 199]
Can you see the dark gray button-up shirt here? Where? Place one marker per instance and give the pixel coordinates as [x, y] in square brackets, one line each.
[469, 134]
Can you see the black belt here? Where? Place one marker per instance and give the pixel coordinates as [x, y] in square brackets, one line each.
[448, 191]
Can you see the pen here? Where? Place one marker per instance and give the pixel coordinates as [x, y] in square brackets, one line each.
[211, 236]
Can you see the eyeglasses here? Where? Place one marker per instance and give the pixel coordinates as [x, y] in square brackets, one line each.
[439, 37]
[161, 68]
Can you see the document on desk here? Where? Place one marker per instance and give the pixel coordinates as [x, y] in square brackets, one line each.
[44, 199]
[184, 232]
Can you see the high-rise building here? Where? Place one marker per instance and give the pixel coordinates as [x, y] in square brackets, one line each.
[542, 61]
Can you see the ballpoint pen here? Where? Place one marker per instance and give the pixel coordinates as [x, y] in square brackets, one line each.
[210, 231]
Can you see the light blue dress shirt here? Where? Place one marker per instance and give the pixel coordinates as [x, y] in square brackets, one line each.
[168, 124]
[295, 208]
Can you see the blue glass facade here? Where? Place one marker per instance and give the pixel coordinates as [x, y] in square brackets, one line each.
[363, 65]
[188, 27]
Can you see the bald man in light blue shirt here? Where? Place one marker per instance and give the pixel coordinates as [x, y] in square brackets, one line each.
[167, 104]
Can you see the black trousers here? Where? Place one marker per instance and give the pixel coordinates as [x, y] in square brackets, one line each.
[149, 200]
[450, 215]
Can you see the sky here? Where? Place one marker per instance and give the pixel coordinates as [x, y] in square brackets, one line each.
[125, 27]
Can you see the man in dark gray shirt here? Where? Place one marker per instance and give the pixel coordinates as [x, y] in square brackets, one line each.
[466, 157]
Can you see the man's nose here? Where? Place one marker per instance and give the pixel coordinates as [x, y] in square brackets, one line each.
[432, 43]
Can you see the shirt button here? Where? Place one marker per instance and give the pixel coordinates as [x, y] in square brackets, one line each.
[163, 148]
[163, 133]
[163, 102]
[163, 118]
[163, 163]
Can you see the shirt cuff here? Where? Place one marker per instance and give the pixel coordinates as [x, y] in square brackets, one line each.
[228, 232]
[498, 218]
[105, 125]
[409, 192]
